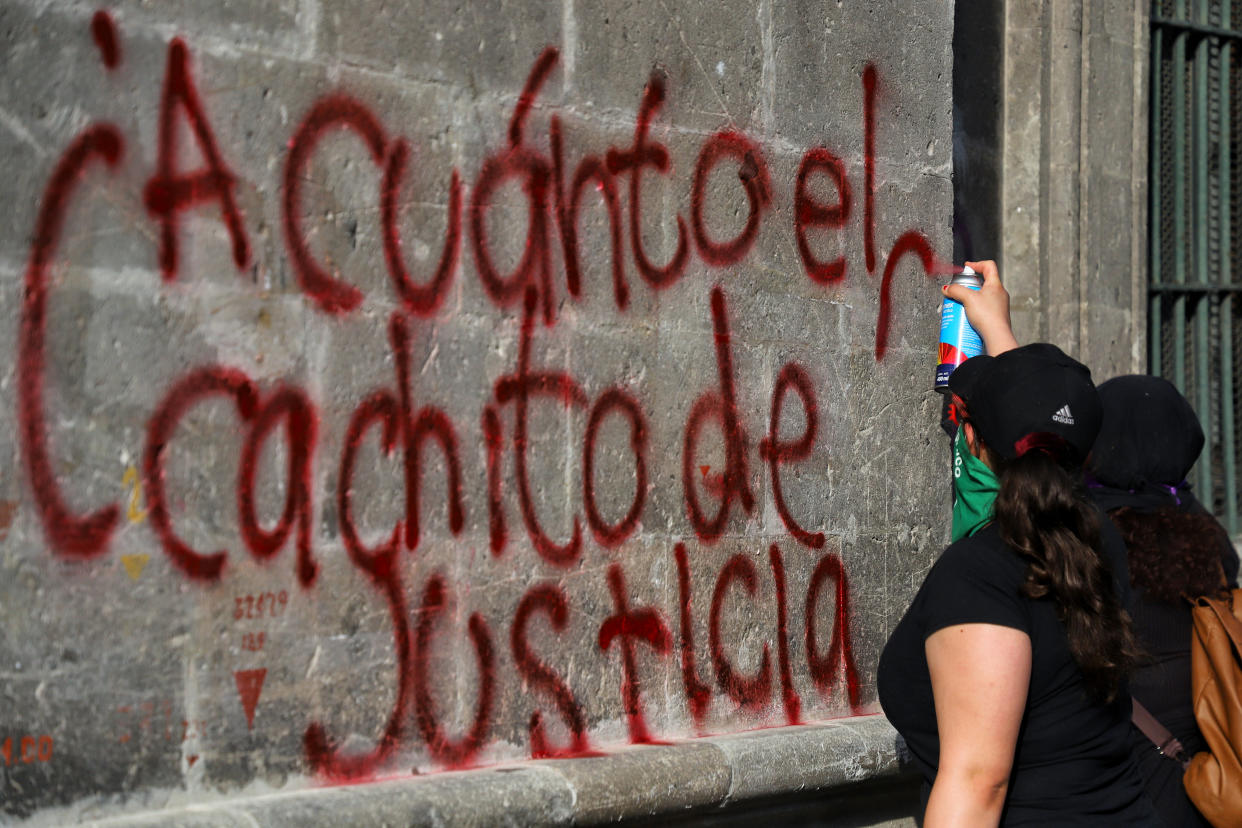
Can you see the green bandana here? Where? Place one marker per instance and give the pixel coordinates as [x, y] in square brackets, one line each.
[974, 490]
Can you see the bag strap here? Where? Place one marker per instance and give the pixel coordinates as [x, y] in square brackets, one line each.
[1229, 622]
[1166, 743]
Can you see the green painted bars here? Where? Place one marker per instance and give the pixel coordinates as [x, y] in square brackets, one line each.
[1195, 231]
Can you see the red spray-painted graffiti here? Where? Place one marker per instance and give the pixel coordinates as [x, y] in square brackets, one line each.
[721, 405]
[810, 213]
[167, 193]
[551, 600]
[624, 625]
[104, 32]
[777, 451]
[404, 426]
[68, 534]
[446, 751]
[750, 692]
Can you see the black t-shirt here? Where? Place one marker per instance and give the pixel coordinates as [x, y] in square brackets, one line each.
[1072, 764]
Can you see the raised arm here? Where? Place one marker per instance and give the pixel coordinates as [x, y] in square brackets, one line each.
[980, 674]
[987, 308]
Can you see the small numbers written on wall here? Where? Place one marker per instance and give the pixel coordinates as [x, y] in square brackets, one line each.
[260, 605]
[155, 719]
[26, 750]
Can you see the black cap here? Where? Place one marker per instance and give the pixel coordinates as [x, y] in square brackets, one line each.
[1033, 390]
[1150, 434]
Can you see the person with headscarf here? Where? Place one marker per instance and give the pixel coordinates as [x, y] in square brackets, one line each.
[1148, 442]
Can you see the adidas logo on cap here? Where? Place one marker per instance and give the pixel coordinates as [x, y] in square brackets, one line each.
[1064, 416]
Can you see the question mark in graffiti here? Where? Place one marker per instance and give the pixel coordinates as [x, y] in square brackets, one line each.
[134, 512]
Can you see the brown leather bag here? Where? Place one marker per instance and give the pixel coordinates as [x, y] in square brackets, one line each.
[1214, 778]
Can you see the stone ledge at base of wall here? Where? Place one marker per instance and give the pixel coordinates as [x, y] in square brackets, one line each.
[628, 784]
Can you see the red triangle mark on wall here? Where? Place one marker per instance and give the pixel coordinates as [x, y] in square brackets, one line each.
[704, 470]
[192, 759]
[249, 686]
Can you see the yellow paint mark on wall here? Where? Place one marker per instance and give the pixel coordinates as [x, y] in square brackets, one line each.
[8, 511]
[134, 512]
[135, 563]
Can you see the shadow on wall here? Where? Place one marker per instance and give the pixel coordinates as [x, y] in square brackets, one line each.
[977, 43]
[880, 803]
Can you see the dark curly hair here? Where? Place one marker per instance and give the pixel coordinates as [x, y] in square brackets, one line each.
[1172, 552]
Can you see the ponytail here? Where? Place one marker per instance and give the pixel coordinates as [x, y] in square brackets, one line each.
[1043, 512]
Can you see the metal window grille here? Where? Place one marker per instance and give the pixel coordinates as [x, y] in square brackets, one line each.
[1195, 234]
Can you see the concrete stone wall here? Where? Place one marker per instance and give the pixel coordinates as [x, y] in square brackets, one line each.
[1073, 191]
[396, 388]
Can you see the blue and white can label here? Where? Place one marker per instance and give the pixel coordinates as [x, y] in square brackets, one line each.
[958, 340]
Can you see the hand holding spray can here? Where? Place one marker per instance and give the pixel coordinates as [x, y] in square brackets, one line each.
[958, 340]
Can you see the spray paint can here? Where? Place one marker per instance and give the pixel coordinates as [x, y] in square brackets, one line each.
[958, 340]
